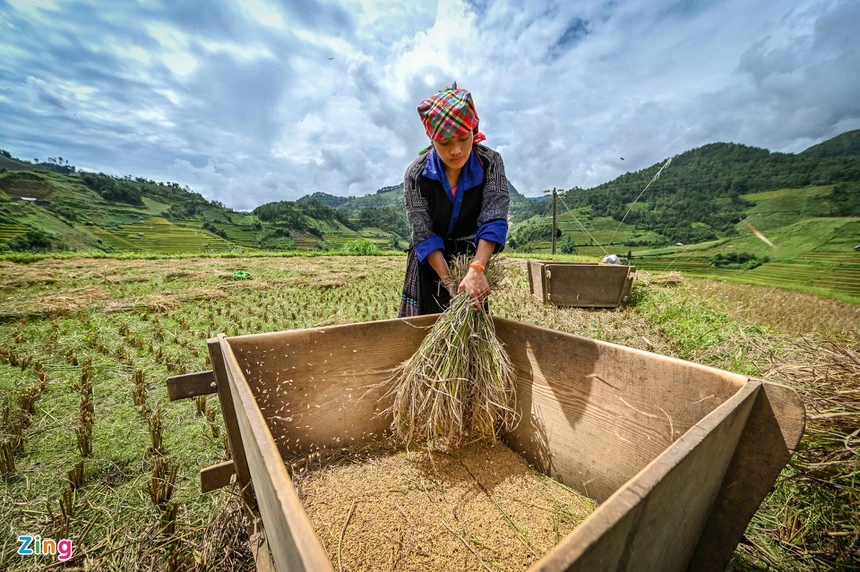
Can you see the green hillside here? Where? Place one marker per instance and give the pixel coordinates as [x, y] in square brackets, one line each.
[700, 195]
[393, 197]
[844, 145]
[49, 207]
[69, 215]
[809, 253]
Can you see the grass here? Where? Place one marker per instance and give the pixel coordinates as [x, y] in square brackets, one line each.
[810, 520]
[152, 315]
[796, 314]
[783, 207]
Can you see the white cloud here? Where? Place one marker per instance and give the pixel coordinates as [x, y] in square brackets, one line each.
[262, 13]
[250, 102]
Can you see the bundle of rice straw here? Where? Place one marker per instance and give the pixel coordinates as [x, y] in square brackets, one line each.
[460, 382]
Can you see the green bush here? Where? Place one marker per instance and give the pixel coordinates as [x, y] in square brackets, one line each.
[394, 242]
[33, 240]
[361, 247]
[739, 260]
[214, 229]
[566, 245]
[844, 199]
[531, 230]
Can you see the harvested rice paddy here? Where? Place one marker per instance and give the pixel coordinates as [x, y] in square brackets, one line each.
[87, 344]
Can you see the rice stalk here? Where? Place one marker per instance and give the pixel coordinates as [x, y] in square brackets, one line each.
[460, 382]
[7, 457]
[76, 475]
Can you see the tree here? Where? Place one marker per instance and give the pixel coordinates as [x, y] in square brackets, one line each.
[32, 240]
[566, 245]
[393, 242]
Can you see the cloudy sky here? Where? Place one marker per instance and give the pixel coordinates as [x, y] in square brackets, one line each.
[251, 101]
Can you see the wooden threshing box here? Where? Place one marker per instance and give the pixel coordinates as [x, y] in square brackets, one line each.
[580, 284]
[678, 455]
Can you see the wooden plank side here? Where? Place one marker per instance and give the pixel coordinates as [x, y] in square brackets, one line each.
[530, 277]
[322, 387]
[216, 476]
[191, 385]
[260, 550]
[656, 520]
[628, 284]
[593, 413]
[292, 540]
[770, 438]
[234, 440]
[537, 279]
[588, 285]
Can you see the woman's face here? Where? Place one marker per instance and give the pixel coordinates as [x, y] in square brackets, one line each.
[454, 152]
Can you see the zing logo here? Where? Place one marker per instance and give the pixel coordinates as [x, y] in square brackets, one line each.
[37, 546]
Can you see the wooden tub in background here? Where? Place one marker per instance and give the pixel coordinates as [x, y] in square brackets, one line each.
[679, 455]
[580, 284]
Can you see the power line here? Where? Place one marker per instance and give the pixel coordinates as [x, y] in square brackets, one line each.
[583, 226]
[656, 176]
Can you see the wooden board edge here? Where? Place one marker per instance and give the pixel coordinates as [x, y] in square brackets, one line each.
[625, 505]
[772, 434]
[228, 412]
[295, 545]
[191, 385]
[216, 476]
[737, 379]
[260, 548]
[425, 321]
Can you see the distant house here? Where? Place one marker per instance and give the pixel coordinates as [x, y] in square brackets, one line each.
[30, 201]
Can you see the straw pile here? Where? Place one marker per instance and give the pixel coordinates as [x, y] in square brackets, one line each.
[477, 507]
[460, 382]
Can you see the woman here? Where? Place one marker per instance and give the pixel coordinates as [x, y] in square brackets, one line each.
[456, 202]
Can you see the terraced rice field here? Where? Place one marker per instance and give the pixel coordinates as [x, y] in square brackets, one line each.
[844, 280]
[825, 272]
[162, 236]
[10, 231]
[244, 236]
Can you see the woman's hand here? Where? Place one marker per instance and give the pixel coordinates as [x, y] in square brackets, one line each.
[475, 284]
[437, 261]
[449, 285]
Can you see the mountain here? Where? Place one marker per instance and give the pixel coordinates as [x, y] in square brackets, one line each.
[845, 145]
[702, 195]
[328, 200]
[699, 195]
[48, 206]
[391, 196]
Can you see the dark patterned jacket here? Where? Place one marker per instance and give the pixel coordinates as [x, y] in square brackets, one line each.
[479, 209]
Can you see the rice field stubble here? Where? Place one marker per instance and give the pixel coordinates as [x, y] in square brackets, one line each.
[86, 346]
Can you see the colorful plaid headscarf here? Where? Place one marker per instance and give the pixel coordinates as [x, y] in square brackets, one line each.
[450, 113]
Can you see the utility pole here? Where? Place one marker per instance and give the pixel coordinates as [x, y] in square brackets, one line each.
[554, 195]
